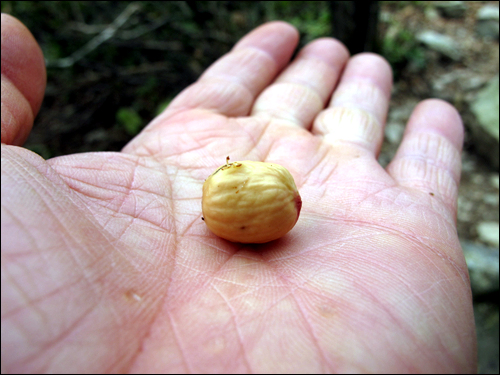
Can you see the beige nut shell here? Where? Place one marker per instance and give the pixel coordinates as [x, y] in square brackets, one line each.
[250, 202]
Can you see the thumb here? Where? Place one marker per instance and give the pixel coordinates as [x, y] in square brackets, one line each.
[23, 80]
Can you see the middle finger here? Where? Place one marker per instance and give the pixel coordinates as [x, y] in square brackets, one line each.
[302, 89]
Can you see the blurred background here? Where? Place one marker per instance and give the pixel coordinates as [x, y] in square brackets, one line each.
[113, 66]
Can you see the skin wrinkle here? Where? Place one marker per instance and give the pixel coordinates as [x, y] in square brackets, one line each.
[406, 330]
[433, 150]
[191, 140]
[437, 207]
[376, 193]
[157, 314]
[190, 225]
[390, 188]
[290, 75]
[330, 174]
[323, 295]
[55, 216]
[404, 235]
[321, 161]
[14, 102]
[347, 95]
[314, 337]
[54, 342]
[167, 294]
[422, 183]
[416, 240]
[401, 280]
[291, 293]
[65, 332]
[129, 190]
[262, 127]
[33, 243]
[280, 111]
[428, 162]
[266, 154]
[178, 341]
[31, 302]
[368, 136]
[94, 199]
[249, 75]
[135, 267]
[27, 300]
[197, 274]
[271, 305]
[378, 266]
[237, 329]
[291, 287]
[131, 193]
[273, 69]
[38, 181]
[332, 244]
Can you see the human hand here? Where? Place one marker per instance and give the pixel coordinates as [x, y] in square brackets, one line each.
[108, 267]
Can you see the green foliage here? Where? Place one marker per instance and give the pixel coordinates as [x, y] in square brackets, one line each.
[52, 51]
[129, 119]
[161, 107]
[311, 18]
[148, 88]
[313, 26]
[400, 47]
[41, 149]
[402, 4]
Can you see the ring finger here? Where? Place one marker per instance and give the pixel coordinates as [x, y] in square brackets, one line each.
[358, 109]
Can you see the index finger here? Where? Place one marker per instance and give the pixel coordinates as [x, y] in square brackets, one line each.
[230, 85]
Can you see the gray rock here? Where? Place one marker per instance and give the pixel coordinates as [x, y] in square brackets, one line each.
[465, 208]
[396, 122]
[495, 180]
[487, 22]
[491, 199]
[394, 132]
[487, 29]
[486, 317]
[483, 264]
[440, 43]
[451, 9]
[485, 132]
[488, 232]
[488, 12]
[431, 13]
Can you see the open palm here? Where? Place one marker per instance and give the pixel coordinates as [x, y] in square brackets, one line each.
[108, 267]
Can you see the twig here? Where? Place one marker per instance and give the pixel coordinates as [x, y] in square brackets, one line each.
[97, 41]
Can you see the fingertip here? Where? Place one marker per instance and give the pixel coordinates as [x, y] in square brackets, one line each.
[23, 79]
[22, 60]
[283, 25]
[440, 117]
[277, 38]
[373, 67]
[272, 27]
[330, 50]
